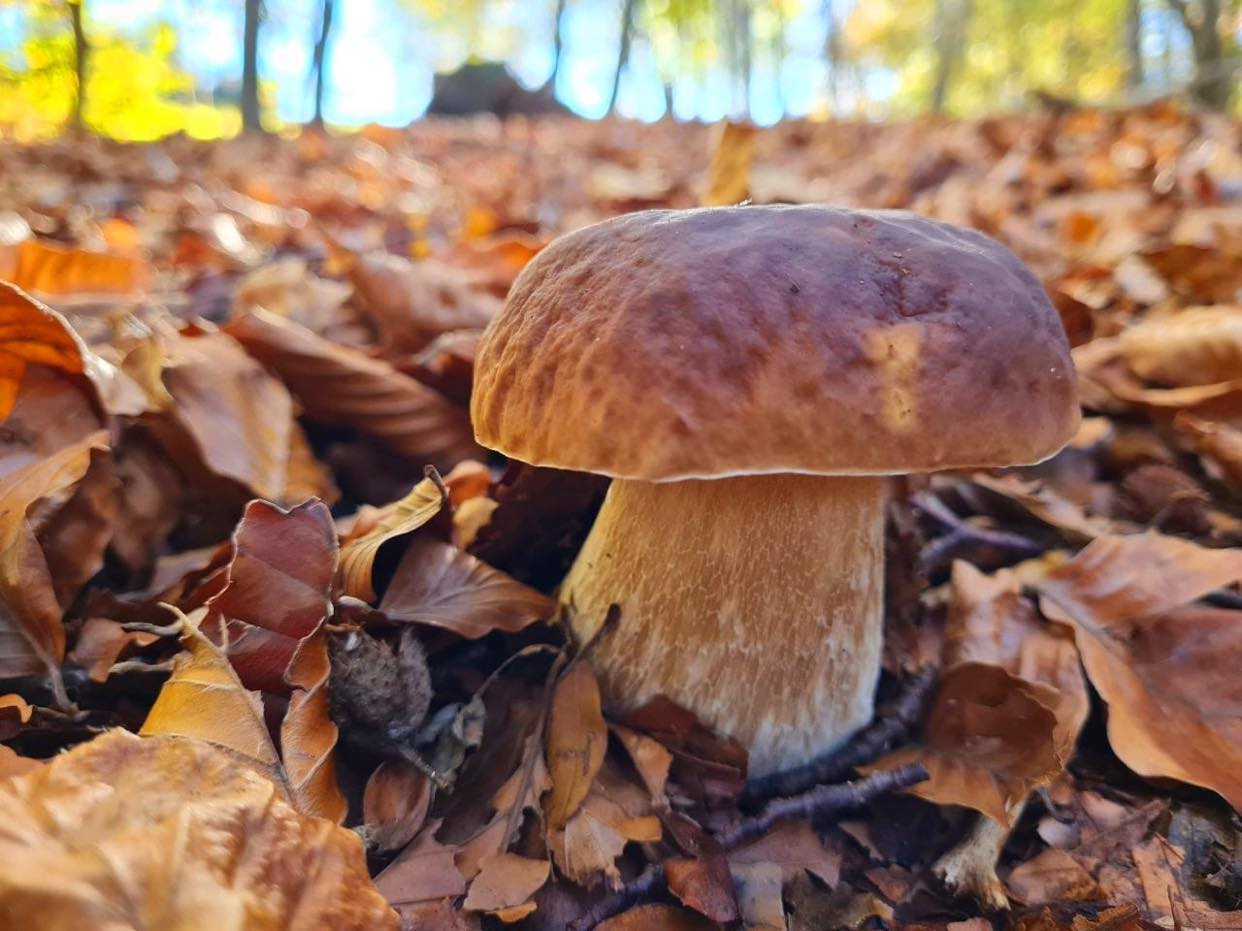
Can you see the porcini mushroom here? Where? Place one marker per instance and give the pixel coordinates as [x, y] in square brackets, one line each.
[748, 377]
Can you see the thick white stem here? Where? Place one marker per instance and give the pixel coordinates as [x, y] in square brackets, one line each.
[756, 601]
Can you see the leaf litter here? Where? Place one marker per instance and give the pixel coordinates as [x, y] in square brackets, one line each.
[226, 530]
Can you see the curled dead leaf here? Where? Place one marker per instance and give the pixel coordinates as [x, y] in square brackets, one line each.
[439, 585]
[360, 548]
[576, 742]
[190, 831]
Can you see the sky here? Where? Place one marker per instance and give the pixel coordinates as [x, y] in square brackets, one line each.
[381, 63]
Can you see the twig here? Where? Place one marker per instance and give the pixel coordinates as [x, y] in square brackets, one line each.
[963, 533]
[876, 740]
[633, 892]
[142, 627]
[819, 801]
[823, 800]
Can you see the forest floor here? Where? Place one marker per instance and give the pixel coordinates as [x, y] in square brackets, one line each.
[224, 368]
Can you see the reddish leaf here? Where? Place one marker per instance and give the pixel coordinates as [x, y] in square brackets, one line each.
[395, 804]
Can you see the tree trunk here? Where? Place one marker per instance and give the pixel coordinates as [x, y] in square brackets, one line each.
[952, 20]
[1213, 82]
[629, 13]
[321, 57]
[81, 56]
[558, 43]
[832, 55]
[250, 67]
[1134, 44]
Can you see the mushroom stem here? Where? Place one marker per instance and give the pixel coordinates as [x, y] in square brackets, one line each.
[754, 601]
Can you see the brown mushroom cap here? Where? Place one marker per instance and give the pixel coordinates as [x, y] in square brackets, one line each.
[667, 345]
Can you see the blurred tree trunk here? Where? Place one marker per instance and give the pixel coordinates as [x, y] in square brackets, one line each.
[250, 67]
[832, 54]
[1134, 44]
[81, 56]
[629, 14]
[321, 57]
[1213, 82]
[558, 42]
[952, 21]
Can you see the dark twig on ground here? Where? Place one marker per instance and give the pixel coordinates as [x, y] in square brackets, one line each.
[823, 800]
[820, 801]
[963, 535]
[877, 739]
[636, 890]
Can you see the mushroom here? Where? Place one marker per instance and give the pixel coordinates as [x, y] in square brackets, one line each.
[749, 377]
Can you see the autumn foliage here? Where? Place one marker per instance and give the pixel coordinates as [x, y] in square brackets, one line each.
[245, 519]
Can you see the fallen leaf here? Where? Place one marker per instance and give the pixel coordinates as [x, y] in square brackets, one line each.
[278, 589]
[1158, 863]
[166, 830]
[53, 271]
[337, 385]
[31, 333]
[32, 638]
[13, 764]
[650, 757]
[794, 847]
[395, 804]
[238, 417]
[424, 870]
[1165, 668]
[1052, 876]
[1196, 346]
[506, 881]
[359, 550]
[577, 739]
[651, 917]
[308, 735]
[760, 900]
[704, 884]
[102, 642]
[595, 836]
[729, 174]
[439, 585]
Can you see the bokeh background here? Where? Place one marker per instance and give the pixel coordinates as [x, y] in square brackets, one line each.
[141, 69]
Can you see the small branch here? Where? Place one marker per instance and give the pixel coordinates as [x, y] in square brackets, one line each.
[823, 800]
[962, 533]
[137, 665]
[820, 801]
[872, 743]
[633, 892]
[141, 627]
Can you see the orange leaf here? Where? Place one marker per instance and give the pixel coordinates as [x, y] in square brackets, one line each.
[1167, 670]
[166, 831]
[505, 881]
[439, 585]
[32, 333]
[55, 271]
[308, 734]
[338, 385]
[577, 739]
[396, 519]
[32, 638]
[395, 804]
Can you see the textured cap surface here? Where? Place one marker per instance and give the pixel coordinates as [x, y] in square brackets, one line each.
[665, 345]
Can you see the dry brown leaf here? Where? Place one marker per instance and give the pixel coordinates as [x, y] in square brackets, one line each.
[505, 883]
[729, 174]
[203, 699]
[53, 271]
[793, 847]
[1044, 503]
[653, 917]
[595, 836]
[1165, 668]
[308, 734]
[1159, 864]
[101, 642]
[395, 804]
[650, 757]
[50, 412]
[439, 585]
[337, 385]
[239, 417]
[278, 589]
[1196, 346]
[414, 302]
[31, 333]
[359, 549]
[760, 897]
[1219, 443]
[576, 742]
[1052, 876]
[704, 884]
[32, 638]
[173, 833]
[424, 870]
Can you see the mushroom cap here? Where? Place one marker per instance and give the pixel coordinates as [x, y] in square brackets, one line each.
[675, 344]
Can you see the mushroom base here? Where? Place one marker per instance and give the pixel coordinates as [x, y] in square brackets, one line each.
[756, 602]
